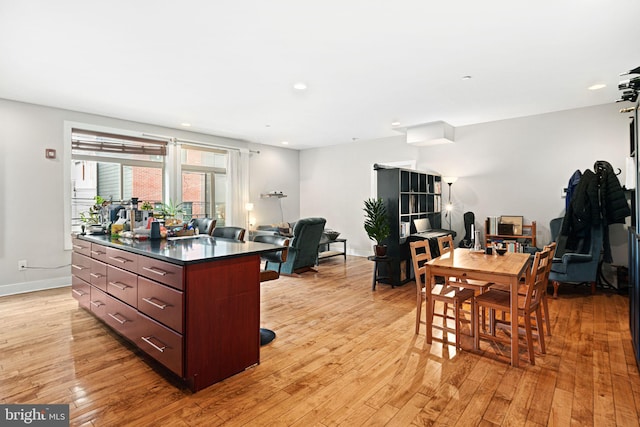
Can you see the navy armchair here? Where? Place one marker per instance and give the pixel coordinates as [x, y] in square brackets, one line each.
[303, 250]
[579, 266]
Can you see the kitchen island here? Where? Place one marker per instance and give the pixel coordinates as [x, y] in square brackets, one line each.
[191, 304]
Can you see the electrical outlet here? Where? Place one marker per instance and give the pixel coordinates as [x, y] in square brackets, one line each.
[22, 265]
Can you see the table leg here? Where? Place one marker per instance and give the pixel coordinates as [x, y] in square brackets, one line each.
[429, 308]
[344, 249]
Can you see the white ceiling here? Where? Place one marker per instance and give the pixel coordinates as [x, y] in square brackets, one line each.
[228, 67]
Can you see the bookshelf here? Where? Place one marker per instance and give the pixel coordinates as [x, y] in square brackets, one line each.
[408, 195]
[514, 242]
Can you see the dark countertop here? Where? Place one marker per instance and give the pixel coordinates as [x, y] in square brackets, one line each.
[183, 251]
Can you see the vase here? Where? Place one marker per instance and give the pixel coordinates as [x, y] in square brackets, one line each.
[380, 250]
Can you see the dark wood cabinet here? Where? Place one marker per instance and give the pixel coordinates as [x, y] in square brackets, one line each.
[200, 320]
[408, 195]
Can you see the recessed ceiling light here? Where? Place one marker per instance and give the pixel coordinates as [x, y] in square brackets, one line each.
[186, 124]
[300, 86]
[466, 77]
[285, 142]
[597, 86]
[395, 123]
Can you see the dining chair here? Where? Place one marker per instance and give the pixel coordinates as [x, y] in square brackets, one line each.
[547, 263]
[233, 233]
[445, 293]
[445, 245]
[496, 300]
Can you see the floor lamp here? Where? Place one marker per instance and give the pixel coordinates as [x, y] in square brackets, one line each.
[449, 208]
[249, 208]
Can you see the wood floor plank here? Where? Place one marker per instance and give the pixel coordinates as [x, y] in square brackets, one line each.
[344, 356]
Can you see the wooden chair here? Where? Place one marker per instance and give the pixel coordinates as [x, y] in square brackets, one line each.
[445, 293]
[496, 300]
[547, 263]
[445, 245]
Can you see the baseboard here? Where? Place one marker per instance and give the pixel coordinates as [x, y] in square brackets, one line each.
[37, 285]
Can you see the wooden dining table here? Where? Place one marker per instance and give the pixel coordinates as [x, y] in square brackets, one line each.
[476, 265]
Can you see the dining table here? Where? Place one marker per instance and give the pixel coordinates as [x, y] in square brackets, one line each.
[469, 264]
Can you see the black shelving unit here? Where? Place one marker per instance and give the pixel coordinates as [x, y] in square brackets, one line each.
[408, 195]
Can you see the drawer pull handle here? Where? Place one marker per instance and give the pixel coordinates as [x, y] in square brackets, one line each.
[155, 270]
[120, 259]
[120, 286]
[148, 341]
[78, 247]
[78, 267]
[97, 303]
[98, 252]
[161, 306]
[96, 275]
[79, 293]
[122, 322]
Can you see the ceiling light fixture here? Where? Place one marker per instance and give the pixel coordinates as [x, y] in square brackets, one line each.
[186, 124]
[285, 142]
[597, 86]
[300, 86]
[395, 123]
[466, 77]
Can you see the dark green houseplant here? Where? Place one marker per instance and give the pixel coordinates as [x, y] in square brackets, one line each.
[376, 224]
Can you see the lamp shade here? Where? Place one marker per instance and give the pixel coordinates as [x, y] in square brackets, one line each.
[449, 179]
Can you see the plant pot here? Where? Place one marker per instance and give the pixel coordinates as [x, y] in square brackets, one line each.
[380, 250]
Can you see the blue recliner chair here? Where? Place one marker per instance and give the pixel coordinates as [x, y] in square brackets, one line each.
[303, 250]
[580, 266]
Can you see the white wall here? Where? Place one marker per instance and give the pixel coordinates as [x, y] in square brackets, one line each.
[508, 167]
[274, 169]
[31, 188]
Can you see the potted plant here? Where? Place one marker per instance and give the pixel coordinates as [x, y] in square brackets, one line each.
[376, 224]
[169, 211]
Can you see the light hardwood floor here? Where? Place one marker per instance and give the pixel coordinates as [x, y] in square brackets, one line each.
[344, 355]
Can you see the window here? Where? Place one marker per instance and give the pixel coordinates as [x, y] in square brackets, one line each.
[114, 167]
[204, 182]
[117, 167]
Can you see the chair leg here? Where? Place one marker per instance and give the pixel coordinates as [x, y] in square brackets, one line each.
[456, 315]
[540, 329]
[418, 314]
[593, 288]
[545, 308]
[476, 321]
[529, 335]
[555, 288]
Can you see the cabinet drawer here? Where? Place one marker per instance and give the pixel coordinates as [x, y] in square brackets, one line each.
[98, 275]
[98, 303]
[161, 303]
[81, 266]
[99, 252]
[161, 343]
[122, 318]
[160, 271]
[122, 259]
[81, 247]
[122, 285]
[81, 291]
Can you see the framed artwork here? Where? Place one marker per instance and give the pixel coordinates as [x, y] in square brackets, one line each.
[515, 220]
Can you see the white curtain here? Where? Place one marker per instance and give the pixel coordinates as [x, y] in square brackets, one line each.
[237, 188]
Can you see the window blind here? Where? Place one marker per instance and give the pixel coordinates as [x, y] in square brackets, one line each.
[88, 140]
